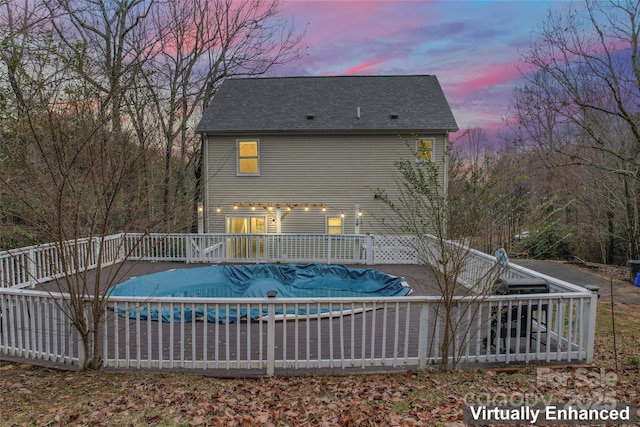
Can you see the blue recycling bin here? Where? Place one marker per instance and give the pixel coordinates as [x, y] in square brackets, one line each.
[634, 269]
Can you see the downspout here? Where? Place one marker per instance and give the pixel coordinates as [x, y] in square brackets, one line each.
[204, 182]
[445, 153]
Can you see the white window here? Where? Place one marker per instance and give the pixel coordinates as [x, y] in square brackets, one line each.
[248, 160]
[335, 225]
[424, 149]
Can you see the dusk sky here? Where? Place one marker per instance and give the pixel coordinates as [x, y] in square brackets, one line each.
[473, 47]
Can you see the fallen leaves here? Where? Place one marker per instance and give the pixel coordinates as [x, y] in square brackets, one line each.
[407, 399]
[423, 398]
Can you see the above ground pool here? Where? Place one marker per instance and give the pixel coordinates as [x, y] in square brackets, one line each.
[255, 281]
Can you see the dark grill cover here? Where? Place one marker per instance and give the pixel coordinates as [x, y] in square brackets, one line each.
[529, 285]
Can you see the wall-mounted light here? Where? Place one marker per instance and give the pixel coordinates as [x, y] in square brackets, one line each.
[218, 210]
[200, 209]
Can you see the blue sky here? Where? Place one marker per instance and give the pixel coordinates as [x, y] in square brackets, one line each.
[472, 46]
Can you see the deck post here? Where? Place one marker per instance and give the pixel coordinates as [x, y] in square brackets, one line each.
[122, 247]
[189, 249]
[32, 272]
[369, 250]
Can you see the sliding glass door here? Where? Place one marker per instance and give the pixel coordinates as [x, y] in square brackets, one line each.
[246, 245]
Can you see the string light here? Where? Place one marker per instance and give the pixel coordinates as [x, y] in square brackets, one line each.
[289, 206]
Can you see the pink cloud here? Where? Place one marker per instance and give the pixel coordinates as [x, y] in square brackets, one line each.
[324, 25]
[492, 75]
[364, 66]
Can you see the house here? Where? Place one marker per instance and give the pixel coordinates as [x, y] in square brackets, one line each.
[305, 154]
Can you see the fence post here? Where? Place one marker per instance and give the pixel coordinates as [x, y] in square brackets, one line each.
[82, 354]
[271, 333]
[423, 326]
[328, 248]
[589, 322]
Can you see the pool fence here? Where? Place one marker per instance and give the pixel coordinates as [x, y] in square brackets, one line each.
[363, 334]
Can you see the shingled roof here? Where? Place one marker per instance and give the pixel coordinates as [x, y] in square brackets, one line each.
[329, 104]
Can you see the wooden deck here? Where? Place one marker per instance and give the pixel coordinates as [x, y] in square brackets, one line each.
[302, 346]
[384, 333]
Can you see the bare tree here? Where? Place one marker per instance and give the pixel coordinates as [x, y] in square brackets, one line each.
[64, 173]
[31, 78]
[579, 105]
[453, 213]
[200, 43]
[76, 175]
[92, 81]
[98, 39]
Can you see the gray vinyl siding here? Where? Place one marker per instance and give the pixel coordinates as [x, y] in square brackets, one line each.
[338, 171]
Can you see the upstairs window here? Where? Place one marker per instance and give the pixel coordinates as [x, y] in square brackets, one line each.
[248, 162]
[424, 150]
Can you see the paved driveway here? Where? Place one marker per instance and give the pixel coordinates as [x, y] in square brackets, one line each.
[623, 291]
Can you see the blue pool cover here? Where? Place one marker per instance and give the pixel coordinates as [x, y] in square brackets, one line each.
[254, 281]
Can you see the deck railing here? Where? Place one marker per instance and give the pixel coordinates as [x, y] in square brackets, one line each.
[349, 333]
[38, 264]
[326, 248]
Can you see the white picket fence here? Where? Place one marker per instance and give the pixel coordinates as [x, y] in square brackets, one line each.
[350, 333]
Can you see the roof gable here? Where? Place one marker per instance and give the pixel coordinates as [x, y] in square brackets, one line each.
[329, 104]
